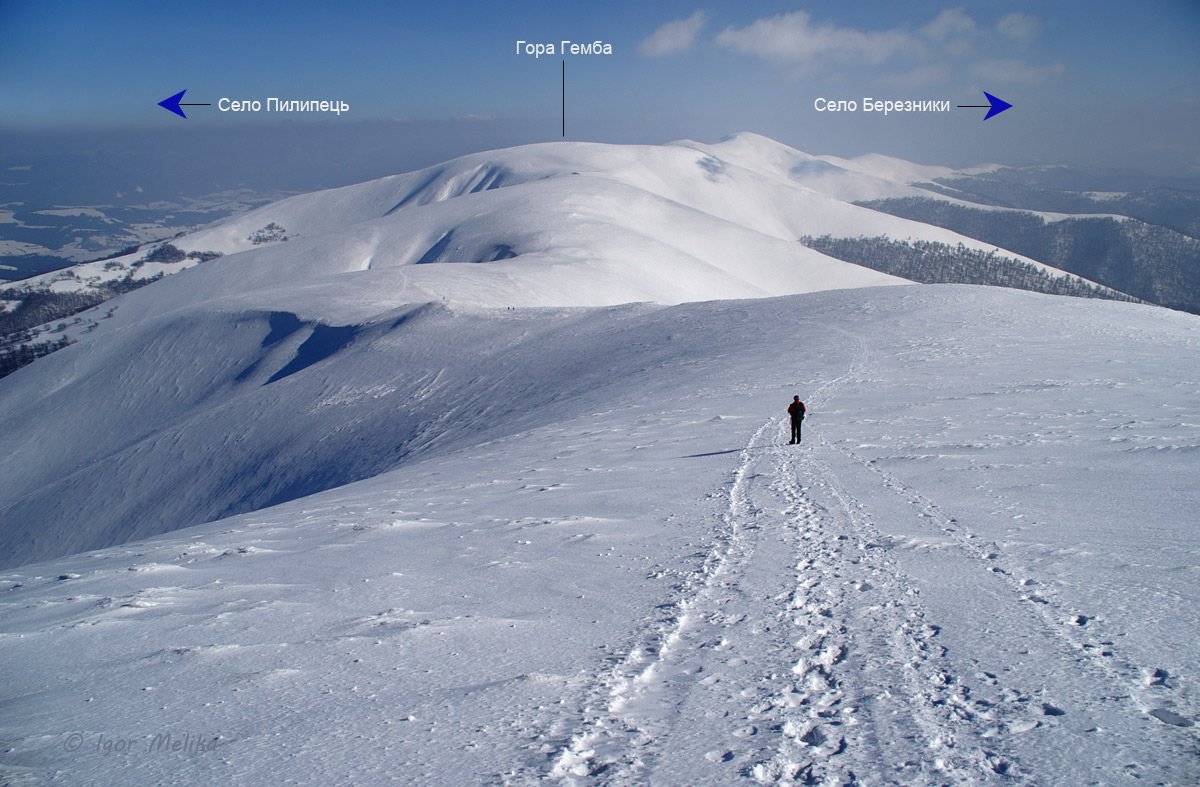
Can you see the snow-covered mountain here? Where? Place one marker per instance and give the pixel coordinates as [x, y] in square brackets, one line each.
[478, 476]
[542, 226]
[574, 224]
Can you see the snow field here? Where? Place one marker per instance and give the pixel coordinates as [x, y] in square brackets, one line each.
[603, 565]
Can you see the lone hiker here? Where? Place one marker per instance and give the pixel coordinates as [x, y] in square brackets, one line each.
[796, 411]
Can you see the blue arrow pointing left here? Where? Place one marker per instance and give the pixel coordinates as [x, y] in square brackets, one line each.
[172, 103]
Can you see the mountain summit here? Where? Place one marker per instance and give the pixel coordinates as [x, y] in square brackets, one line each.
[260, 298]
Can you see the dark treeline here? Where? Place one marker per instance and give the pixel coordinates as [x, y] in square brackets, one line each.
[38, 307]
[930, 262]
[18, 342]
[1148, 261]
[13, 358]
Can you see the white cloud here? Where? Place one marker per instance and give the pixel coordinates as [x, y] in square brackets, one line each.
[1015, 72]
[953, 30]
[951, 43]
[951, 23]
[673, 37]
[793, 38]
[1018, 27]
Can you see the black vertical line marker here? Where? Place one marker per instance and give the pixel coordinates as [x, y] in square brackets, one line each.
[564, 99]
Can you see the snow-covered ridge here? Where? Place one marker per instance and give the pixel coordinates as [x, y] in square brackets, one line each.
[595, 561]
[667, 223]
[301, 280]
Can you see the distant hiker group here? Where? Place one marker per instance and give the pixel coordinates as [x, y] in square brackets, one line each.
[796, 410]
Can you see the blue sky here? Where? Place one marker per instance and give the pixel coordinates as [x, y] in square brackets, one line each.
[1099, 83]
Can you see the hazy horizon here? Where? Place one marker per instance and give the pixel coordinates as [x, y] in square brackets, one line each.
[1092, 87]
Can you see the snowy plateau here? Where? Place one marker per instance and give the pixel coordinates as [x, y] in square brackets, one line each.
[480, 475]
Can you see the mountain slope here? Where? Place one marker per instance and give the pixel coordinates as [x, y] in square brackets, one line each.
[603, 566]
[550, 226]
[1152, 262]
[403, 487]
[651, 219]
[309, 287]
[559, 224]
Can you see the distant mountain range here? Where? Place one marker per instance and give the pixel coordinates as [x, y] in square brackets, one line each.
[1144, 241]
[718, 220]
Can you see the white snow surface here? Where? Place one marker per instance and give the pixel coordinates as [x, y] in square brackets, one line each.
[574, 223]
[358, 518]
[594, 559]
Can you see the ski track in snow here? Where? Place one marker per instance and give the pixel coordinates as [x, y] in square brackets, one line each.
[773, 672]
[631, 710]
[800, 652]
[1144, 689]
[776, 652]
[842, 622]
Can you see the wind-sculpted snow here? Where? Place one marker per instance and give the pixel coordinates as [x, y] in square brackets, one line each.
[582, 553]
[572, 223]
[477, 475]
[560, 224]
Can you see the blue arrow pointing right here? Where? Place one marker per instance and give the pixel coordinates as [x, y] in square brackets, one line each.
[998, 105]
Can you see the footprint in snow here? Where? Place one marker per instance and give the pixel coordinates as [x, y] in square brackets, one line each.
[1171, 717]
[1156, 678]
